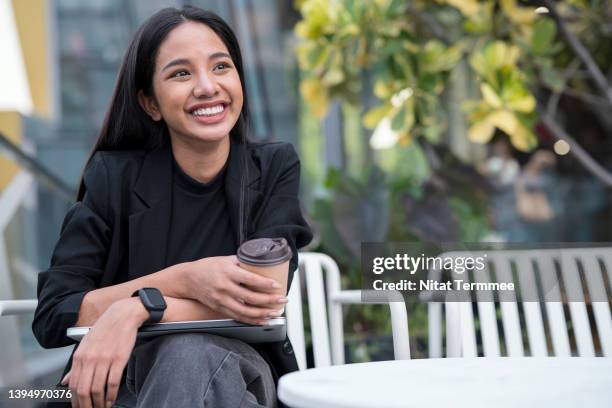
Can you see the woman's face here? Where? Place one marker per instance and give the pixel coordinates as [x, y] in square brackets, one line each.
[197, 89]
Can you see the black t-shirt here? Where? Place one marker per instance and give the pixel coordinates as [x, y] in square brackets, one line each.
[200, 225]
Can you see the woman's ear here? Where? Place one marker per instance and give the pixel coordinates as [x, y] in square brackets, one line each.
[149, 105]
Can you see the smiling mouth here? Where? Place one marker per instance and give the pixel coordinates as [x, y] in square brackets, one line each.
[210, 111]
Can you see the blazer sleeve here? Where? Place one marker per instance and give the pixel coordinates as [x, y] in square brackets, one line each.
[280, 214]
[78, 260]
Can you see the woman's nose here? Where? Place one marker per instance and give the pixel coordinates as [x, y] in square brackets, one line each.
[205, 86]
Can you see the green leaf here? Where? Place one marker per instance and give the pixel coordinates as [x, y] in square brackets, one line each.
[318, 56]
[399, 119]
[468, 8]
[481, 130]
[431, 83]
[406, 166]
[433, 132]
[410, 119]
[333, 177]
[349, 30]
[331, 240]
[553, 79]
[436, 57]
[543, 35]
[333, 77]
[490, 96]
[481, 22]
[381, 89]
[392, 46]
[500, 54]
[395, 7]
[375, 115]
[517, 14]
[404, 66]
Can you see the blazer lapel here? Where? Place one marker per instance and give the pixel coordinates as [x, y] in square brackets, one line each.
[149, 223]
[239, 161]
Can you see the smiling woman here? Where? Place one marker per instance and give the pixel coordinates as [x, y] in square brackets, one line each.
[173, 187]
[198, 93]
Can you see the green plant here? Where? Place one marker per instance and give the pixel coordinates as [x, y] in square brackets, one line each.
[412, 49]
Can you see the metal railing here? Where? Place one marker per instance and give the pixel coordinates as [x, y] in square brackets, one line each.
[34, 167]
[19, 367]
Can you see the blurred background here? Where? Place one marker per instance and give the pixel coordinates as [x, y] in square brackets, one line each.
[433, 121]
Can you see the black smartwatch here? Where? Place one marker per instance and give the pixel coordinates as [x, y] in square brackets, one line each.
[153, 301]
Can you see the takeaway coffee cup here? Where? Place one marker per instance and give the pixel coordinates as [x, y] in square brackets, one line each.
[267, 257]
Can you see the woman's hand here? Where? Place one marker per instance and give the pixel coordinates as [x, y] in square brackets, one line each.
[100, 358]
[219, 283]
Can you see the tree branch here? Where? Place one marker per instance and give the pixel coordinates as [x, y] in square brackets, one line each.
[581, 51]
[588, 98]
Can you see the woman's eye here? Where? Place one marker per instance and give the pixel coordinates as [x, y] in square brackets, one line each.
[180, 73]
[222, 65]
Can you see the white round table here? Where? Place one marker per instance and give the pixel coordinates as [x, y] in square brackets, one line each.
[454, 382]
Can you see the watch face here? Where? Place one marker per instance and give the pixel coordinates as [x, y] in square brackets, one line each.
[153, 299]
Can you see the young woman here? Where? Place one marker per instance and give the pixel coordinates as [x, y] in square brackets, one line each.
[171, 190]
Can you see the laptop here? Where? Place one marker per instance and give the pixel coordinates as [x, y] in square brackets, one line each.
[275, 330]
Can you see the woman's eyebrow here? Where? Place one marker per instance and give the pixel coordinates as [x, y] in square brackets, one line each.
[178, 61]
[185, 61]
[219, 54]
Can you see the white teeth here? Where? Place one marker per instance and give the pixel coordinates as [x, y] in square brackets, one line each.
[209, 111]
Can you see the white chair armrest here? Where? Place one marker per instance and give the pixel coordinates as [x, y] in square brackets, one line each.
[399, 319]
[16, 307]
[346, 297]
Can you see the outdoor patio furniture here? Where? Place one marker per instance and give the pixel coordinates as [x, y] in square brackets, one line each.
[542, 382]
[545, 305]
[326, 314]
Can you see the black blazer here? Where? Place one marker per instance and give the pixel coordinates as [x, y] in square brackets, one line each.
[118, 232]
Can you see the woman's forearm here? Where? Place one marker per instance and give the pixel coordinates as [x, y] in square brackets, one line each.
[188, 309]
[172, 282]
[176, 310]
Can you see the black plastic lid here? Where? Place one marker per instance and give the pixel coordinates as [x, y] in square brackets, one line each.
[264, 251]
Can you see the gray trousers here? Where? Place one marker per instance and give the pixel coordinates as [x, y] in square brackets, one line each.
[196, 370]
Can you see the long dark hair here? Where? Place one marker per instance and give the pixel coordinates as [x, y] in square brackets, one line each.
[126, 125]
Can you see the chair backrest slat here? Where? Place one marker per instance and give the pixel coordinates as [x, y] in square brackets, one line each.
[578, 312]
[318, 313]
[334, 308]
[468, 334]
[295, 320]
[554, 308]
[453, 326]
[601, 309]
[465, 321]
[606, 257]
[531, 305]
[460, 323]
[434, 327]
[487, 315]
[434, 319]
[509, 308]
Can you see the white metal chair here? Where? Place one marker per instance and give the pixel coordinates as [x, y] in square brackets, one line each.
[323, 335]
[328, 339]
[460, 328]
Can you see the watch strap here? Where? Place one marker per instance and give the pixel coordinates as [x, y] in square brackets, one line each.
[155, 316]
